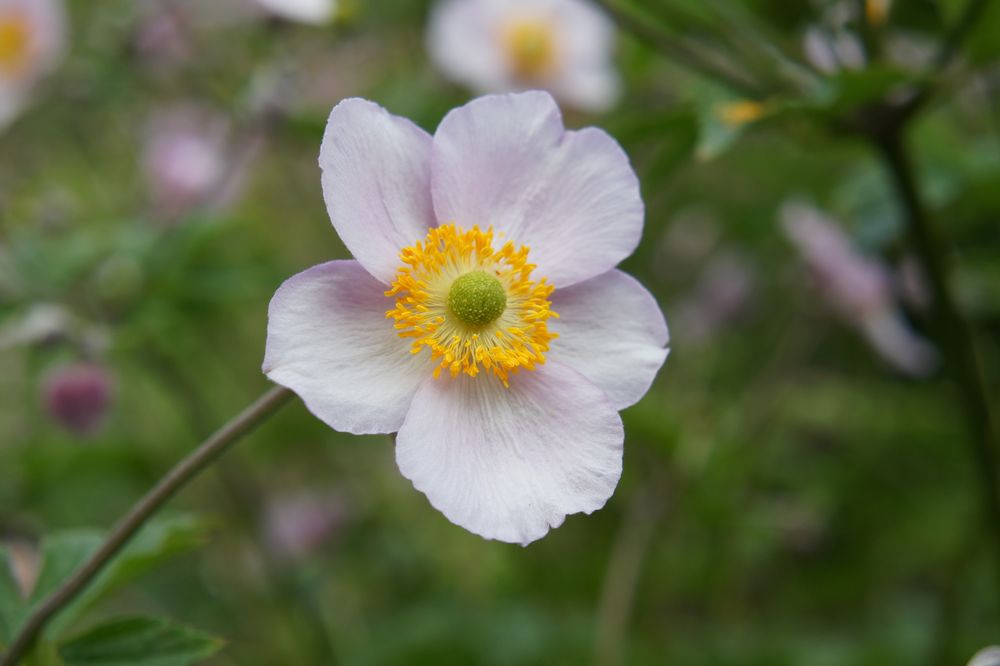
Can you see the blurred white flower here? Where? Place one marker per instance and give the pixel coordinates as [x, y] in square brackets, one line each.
[858, 287]
[563, 46]
[831, 51]
[41, 323]
[32, 42]
[184, 159]
[988, 656]
[315, 12]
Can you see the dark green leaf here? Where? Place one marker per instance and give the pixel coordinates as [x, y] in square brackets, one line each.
[12, 605]
[62, 554]
[156, 543]
[139, 642]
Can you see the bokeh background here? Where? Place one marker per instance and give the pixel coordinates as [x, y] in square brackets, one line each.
[798, 485]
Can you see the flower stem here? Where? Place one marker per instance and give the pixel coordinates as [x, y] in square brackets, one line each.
[953, 332]
[132, 522]
[966, 22]
[679, 51]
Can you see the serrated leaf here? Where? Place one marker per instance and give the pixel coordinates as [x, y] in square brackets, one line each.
[139, 642]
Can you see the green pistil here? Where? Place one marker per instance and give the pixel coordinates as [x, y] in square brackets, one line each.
[477, 298]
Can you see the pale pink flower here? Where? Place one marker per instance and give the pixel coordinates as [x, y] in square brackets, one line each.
[563, 46]
[466, 244]
[184, 158]
[32, 43]
[78, 397]
[858, 287]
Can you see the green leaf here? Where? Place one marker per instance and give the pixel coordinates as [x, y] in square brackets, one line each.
[12, 605]
[849, 89]
[139, 642]
[722, 120]
[983, 44]
[43, 654]
[156, 543]
[62, 554]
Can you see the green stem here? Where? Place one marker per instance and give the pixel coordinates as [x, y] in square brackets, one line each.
[679, 52]
[952, 332]
[966, 22]
[142, 511]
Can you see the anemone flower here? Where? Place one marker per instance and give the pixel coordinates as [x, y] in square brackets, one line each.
[563, 46]
[482, 318]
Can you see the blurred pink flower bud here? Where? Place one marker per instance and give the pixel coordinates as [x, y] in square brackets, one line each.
[78, 397]
[295, 526]
[185, 161]
[858, 287]
[163, 37]
[723, 294]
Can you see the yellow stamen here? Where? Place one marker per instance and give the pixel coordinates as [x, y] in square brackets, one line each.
[500, 345]
[531, 47]
[15, 37]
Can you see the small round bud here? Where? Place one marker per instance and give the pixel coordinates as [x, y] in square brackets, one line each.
[77, 397]
[477, 298]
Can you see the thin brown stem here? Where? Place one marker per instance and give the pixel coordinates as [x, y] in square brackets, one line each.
[142, 511]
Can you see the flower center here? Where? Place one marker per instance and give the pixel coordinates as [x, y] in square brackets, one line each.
[15, 35]
[477, 298]
[475, 308]
[531, 47]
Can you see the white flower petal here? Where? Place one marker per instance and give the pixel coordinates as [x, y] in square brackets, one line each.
[12, 102]
[315, 12]
[611, 330]
[329, 341]
[506, 161]
[508, 464]
[594, 89]
[376, 182]
[462, 41]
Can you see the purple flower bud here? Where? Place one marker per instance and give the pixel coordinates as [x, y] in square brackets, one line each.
[78, 396]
